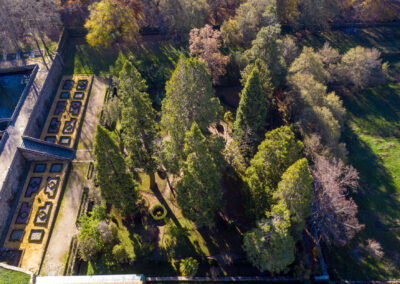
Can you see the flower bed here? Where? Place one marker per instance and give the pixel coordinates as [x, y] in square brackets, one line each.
[158, 212]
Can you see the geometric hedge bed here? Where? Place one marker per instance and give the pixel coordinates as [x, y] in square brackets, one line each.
[36, 209]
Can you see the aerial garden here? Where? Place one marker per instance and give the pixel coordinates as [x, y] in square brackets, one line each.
[241, 138]
[230, 144]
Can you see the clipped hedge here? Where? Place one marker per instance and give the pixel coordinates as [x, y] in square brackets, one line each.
[158, 207]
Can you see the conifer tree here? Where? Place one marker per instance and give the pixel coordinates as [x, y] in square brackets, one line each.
[129, 79]
[276, 153]
[270, 246]
[199, 192]
[117, 186]
[296, 190]
[189, 98]
[265, 77]
[251, 116]
[138, 122]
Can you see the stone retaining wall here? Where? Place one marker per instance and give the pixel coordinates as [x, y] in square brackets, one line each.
[43, 104]
[10, 192]
[12, 185]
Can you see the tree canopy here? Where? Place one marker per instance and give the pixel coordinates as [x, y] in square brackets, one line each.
[138, 120]
[251, 116]
[250, 17]
[199, 190]
[205, 44]
[116, 185]
[189, 98]
[180, 16]
[276, 153]
[296, 190]
[110, 22]
[269, 246]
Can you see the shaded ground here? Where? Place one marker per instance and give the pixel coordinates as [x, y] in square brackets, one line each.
[65, 227]
[372, 138]
[386, 39]
[154, 60]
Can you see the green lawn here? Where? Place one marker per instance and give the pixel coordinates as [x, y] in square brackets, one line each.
[155, 61]
[13, 277]
[386, 39]
[372, 138]
[81, 58]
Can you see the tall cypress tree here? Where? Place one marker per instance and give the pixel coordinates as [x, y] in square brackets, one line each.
[276, 153]
[117, 186]
[199, 192]
[129, 79]
[138, 121]
[296, 190]
[189, 98]
[251, 116]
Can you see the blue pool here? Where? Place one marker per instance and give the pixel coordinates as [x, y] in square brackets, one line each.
[11, 88]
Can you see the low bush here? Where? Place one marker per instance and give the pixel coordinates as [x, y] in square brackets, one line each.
[158, 212]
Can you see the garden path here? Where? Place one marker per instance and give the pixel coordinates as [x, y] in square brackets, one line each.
[65, 228]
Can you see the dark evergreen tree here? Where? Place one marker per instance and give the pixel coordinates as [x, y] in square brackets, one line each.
[140, 129]
[276, 153]
[199, 191]
[189, 98]
[117, 186]
[251, 116]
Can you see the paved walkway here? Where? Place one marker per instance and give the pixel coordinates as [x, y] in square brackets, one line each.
[65, 228]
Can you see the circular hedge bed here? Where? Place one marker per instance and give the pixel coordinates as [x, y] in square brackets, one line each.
[158, 212]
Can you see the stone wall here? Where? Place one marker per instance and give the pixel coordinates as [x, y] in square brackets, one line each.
[13, 183]
[10, 192]
[43, 104]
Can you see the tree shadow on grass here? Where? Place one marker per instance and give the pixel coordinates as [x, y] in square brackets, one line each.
[378, 206]
[186, 247]
[81, 58]
[376, 110]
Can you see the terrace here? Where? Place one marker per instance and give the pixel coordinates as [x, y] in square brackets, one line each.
[66, 112]
[36, 210]
[37, 207]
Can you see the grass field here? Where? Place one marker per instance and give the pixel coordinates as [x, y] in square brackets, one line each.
[155, 61]
[372, 138]
[13, 277]
[386, 39]
[372, 135]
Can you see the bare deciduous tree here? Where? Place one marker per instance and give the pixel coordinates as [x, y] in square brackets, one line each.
[205, 44]
[24, 21]
[374, 249]
[334, 213]
[361, 67]
[290, 50]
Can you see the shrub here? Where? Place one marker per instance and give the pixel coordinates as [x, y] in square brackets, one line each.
[189, 266]
[158, 212]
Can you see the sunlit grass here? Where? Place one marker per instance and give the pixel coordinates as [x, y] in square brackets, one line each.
[373, 141]
[13, 277]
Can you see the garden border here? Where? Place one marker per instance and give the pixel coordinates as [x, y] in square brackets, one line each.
[18, 269]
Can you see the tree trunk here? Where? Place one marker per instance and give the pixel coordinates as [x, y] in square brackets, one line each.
[41, 54]
[45, 47]
[170, 186]
[153, 184]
